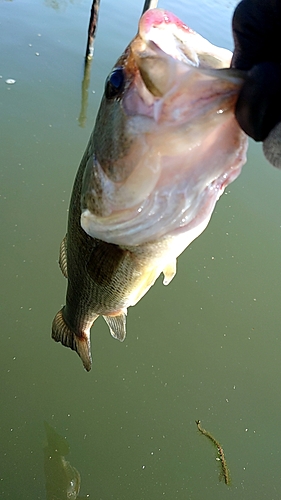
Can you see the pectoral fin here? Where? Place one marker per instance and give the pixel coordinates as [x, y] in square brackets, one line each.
[81, 344]
[63, 257]
[117, 325]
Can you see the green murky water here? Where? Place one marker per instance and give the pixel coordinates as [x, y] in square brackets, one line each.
[207, 347]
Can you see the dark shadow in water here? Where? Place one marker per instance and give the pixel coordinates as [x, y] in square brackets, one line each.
[62, 479]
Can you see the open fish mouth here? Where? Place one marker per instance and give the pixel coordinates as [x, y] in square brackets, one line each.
[184, 142]
[175, 38]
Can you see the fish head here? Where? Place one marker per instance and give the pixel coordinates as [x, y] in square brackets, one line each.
[166, 142]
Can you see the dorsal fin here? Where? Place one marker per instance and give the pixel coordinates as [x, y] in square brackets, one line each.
[63, 257]
[117, 325]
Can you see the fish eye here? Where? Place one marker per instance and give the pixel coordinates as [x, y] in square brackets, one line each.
[114, 84]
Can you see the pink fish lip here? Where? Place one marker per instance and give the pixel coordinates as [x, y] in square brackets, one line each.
[153, 18]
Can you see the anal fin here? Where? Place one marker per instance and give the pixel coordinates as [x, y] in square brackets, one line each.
[117, 325]
[169, 272]
[81, 344]
[63, 256]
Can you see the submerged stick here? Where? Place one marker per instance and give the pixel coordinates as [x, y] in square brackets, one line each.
[92, 30]
[85, 94]
[149, 4]
[224, 468]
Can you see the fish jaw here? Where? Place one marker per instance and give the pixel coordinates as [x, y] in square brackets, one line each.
[179, 145]
[176, 39]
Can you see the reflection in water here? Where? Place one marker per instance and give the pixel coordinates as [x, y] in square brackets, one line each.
[85, 91]
[62, 479]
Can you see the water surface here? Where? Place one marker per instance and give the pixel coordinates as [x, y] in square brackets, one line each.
[206, 347]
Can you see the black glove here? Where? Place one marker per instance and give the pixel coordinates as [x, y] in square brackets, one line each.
[257, 33]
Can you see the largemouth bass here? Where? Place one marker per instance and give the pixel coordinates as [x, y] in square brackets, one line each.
[164, 147]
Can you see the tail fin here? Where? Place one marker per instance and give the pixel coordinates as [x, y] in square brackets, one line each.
[117, 325]
[62, 333]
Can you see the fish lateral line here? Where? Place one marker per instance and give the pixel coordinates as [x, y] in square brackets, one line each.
[222, 460]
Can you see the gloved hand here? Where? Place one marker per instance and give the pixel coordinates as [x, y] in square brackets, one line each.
[257, 32]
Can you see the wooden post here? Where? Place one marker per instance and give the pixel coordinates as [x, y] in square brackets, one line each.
[149, 4]
[92, 29]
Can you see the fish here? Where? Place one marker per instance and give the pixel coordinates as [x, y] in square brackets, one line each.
[164, 147]
[62, 479]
